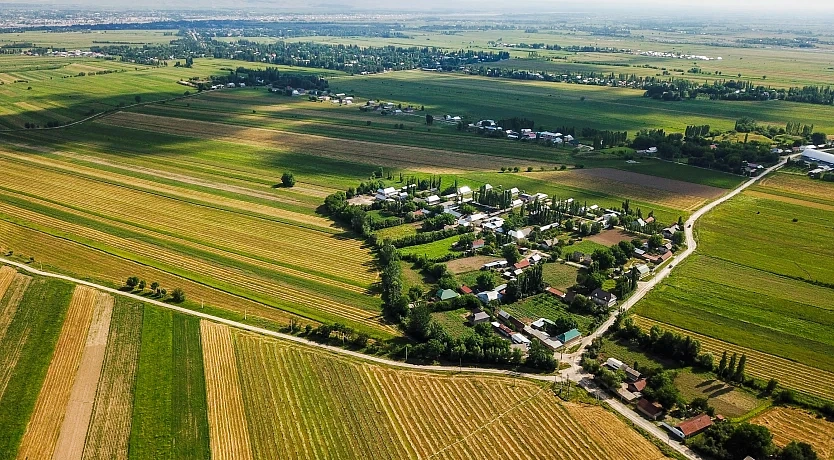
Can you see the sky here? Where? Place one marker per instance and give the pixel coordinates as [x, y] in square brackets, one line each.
[804, 9]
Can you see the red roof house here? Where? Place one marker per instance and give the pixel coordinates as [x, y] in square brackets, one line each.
[638, 386]
[522, 264]
[652, 410]
[464, 289]
[555, 292]
[695, 425]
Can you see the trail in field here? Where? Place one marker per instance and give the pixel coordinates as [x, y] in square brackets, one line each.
[109, 431]
[42, 431]
[228, 432]
[83, 394]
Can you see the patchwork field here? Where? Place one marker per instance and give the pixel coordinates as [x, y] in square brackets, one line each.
[788, 424]
[727, 400]
[140, 381]
[763, 366]
[759, 280]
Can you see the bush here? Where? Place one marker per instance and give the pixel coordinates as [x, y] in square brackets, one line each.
[178, 295]
[287, 179]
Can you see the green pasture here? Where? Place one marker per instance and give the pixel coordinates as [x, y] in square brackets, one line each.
[433, 250]
[747, 307]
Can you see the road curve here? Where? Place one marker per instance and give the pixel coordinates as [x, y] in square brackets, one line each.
[574, 373]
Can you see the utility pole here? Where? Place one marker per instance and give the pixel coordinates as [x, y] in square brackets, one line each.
[406, 353]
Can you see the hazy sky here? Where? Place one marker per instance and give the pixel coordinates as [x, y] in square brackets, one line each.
[789, 9]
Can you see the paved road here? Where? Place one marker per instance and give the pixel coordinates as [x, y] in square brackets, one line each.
[574, 373]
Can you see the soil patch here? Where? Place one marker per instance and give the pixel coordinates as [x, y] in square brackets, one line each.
[469, 264]
[610, 237]
[660, 183]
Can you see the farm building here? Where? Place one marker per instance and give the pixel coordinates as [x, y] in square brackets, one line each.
[603, 298]
[555, 292]
[631, 373]
[432, 200]
[542, 324]
[495, 264]
[651, 410]
[478, 317]
[489, 296]
[637, 386]
[642, 270]
[614, 363]
[815, 156]
[626, 395]
[522, 264]
[569, 336]
[446, 294]
[695, 425]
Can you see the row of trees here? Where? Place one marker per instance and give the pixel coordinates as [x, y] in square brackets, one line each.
[135, 283]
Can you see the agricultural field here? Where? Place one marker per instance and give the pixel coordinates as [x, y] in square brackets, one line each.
[433, 250]
[790, 424]
[579, 105]
[378, 418]
[559, 276]
[727, 400]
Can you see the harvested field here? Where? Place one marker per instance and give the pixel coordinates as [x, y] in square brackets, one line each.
[655, 182]
[10, 296]
[799, 185]
[412, 158]
[44, 425]
[330, 406]
[109, 431]
[228, 430]
[82, 261]
[610, 237]
[790, 424]
[468, 264]
[639, 191]
[790, 200]
[726, 399]
[761, 365]
[83, 394]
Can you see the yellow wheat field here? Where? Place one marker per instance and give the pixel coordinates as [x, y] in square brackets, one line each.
[43, 428]
[228, 432]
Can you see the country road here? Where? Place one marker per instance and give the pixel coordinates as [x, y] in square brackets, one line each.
[574, 372]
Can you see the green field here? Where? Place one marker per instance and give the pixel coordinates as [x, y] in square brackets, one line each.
[559, 276]
[26, 350]
[546, 306]
[752, 281]
[433, 250]
[170, 403]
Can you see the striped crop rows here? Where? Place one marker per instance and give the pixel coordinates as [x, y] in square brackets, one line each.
[790, 374]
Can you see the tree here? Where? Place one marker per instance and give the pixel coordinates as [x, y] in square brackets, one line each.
[722, 365]
[540, 357]
[798, 451]
[178, 295]
[655, 241]
[132, 282]
[137, 98]
[154, 286]
[510, 252]
[419, 322]
[678, 238]
[429, 119]
[748, 439]
[287, 179]
[818, 138]
[141, 285]
[486, 281]
[731, 368]
[739, 375]
[604, 258]
[771, 386]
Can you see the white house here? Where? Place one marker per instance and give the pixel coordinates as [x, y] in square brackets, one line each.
[432, 200]
[386, 193]
[488, 296]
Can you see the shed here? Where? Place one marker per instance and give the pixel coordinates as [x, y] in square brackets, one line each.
[637, 386]
[569, 336]
[478, 318]
[488, 296]
[652, 410]
[555, 292]
[614, 363]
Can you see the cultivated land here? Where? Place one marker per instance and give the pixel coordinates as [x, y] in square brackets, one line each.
[190, 383]
[751, 283]
[788, 424]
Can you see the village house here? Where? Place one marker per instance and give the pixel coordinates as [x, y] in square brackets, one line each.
[668, 232]
[694, 425]
[521, 264]
[643, 270]
[569, 337]
[387, 193]
[465, 290]
[651, 410]
[603, 298]
[637, 386]
[447, 294]
[489, 296]
[478, 244]
[478, 317]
